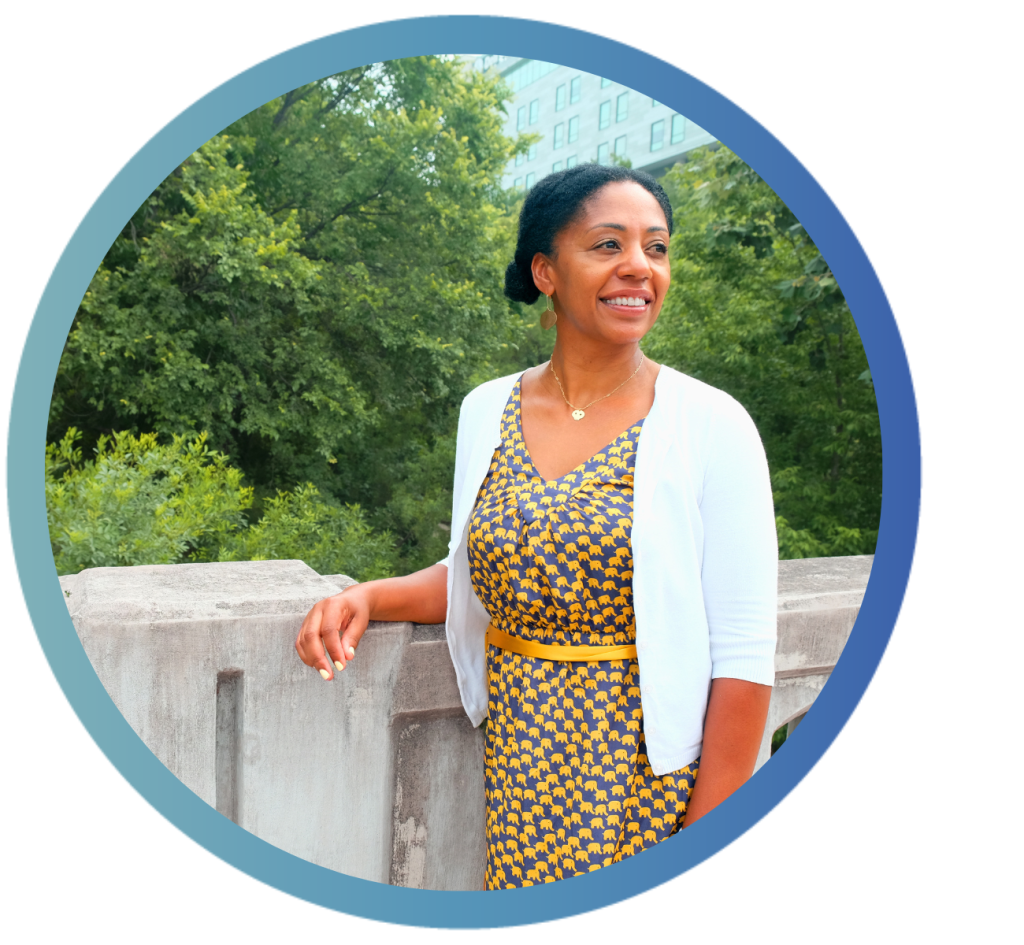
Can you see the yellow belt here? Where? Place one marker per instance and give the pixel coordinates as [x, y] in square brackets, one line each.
[544, 651]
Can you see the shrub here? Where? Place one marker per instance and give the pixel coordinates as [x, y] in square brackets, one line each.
[139, 502]
[331, 539]
[143, 502]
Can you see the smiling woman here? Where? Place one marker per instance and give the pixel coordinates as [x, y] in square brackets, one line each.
[610, 587]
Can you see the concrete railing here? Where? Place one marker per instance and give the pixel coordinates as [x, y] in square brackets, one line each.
[819, 599]
[378, 774]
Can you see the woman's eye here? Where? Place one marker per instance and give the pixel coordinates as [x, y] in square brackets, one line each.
[660, 248]
[610, 244]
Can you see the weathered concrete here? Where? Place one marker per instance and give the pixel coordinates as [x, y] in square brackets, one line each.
[200, 660]
[819, 599]
[437, 825]
[378, 774]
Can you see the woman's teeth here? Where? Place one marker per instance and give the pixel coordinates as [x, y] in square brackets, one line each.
[639, 303]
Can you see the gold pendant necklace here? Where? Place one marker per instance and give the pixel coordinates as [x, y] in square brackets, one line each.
[578, 413]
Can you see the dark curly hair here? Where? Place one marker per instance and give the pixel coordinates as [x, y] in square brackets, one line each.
[552, 205]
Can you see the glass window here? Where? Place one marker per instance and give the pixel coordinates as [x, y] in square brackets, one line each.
[559, 98]
[483, 63]
[570, 161]
[658, 135]
[620, 146]
[574, 128]
[532, 153]
[528, 73]
[622, 107]
[520, 158]
[557, 166]
[521, 119]
[534, 111]
[605, 83]
[603, 156]
[517, 183]
[559, 136]
[678, 128]
[530, 178]
[604, 115]
[574, 90]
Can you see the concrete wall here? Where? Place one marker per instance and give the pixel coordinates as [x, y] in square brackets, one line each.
[819, 599]
[379, 773]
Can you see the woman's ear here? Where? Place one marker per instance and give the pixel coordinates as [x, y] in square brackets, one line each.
[541, 269]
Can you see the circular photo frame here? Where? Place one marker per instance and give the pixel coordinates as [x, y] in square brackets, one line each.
[399, 39]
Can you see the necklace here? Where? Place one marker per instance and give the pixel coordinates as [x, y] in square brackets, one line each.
[578, 413]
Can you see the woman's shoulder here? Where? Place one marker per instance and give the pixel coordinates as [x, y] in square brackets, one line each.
[490, 395]
[702, 420]
[691, 395]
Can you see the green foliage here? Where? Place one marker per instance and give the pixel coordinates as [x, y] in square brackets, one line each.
[316, 288]
[331, 539]
[139, 502]
[755, 310]
[213, 328]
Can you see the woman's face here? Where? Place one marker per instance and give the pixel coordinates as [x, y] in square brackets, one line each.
[610, 269]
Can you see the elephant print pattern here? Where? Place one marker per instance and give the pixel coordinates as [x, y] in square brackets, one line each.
[568, 787]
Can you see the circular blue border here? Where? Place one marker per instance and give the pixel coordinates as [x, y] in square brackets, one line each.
[394, 40]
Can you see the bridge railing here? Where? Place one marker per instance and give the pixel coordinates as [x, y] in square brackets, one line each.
[378, 774]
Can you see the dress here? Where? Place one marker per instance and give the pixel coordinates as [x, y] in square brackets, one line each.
[705, 557]
[568, 786]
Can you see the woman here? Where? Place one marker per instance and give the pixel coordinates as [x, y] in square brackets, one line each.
[610, 589]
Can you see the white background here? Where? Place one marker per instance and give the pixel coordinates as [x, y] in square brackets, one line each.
[907, 114]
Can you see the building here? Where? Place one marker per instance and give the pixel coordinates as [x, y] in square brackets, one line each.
[582, 117]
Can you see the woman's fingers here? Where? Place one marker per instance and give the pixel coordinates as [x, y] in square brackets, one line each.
[337, 616]
[310, 642]
[307, 632]
[353, 633]
[320, 642]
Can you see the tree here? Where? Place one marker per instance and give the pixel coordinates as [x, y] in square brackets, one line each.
[316, 288]
[142, 502]
[755, 310]
[331, 539]
[139, 502]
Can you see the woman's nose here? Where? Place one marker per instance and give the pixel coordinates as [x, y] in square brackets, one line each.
[634, 261]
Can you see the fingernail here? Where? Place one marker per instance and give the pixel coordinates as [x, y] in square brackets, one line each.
[351, 651]
[339, 664]
[325, 674]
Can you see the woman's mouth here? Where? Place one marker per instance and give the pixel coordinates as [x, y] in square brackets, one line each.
[632, 304]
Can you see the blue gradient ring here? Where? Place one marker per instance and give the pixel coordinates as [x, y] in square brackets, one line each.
[534, 40]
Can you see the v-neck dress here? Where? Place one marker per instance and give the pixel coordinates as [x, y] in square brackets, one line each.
[567, 783]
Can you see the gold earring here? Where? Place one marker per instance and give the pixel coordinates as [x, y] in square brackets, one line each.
[548, 316]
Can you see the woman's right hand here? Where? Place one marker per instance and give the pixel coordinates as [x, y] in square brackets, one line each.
[335, 624]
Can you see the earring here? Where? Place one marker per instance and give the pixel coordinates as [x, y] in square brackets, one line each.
[548, 316]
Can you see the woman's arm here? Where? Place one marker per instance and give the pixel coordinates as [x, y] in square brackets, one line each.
[733, 727]
[338, 623]
[739, 577]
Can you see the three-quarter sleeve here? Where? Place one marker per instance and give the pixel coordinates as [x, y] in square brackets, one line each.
[739, 573]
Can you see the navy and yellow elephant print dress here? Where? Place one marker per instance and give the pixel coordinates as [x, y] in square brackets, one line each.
[567, 784]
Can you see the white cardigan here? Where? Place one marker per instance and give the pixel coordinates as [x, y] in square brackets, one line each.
[705, 557]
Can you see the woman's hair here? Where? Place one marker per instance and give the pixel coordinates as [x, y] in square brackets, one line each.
[552, 205]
